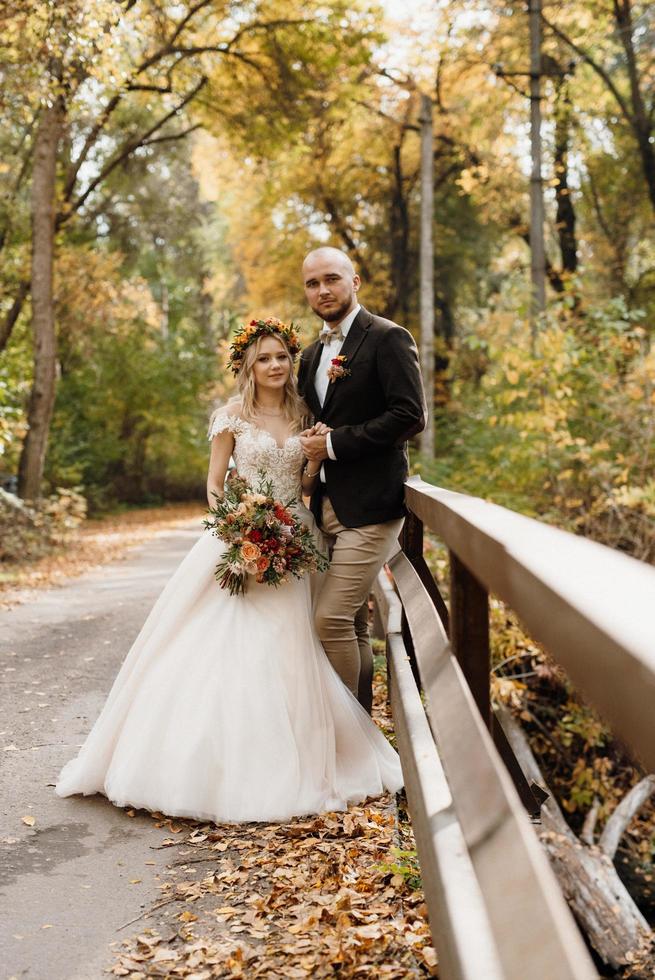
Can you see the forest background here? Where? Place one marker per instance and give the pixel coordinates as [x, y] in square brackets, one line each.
[193, 152]
[164, 167]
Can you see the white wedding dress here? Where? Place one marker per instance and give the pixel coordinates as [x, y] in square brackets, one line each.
[226, 708]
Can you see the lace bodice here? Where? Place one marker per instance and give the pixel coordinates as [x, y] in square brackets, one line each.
[255, 450]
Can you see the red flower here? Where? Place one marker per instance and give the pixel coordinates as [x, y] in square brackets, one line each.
[255, 535]
[337, 368]
[283, 515]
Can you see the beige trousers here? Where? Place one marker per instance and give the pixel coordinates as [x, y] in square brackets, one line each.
[341, 609]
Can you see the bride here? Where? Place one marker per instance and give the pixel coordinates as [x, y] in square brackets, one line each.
[226, 708]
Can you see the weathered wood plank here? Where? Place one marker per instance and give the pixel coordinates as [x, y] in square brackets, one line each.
[593, 608]
[386, 605]
[534, 931]
[458, 919]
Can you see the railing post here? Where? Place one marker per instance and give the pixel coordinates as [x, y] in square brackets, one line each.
[411, 536]
[411, 540]
[469, 633]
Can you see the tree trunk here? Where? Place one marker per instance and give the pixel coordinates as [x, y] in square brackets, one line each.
[598, 898]
[537, 247]
[399, 239]
[427, 272]
[642, 120]
[565, 210]
[42, 396]
[635, 111]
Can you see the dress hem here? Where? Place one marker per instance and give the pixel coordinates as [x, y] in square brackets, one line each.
[334, 806]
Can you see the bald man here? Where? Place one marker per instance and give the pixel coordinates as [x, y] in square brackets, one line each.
[362, 382]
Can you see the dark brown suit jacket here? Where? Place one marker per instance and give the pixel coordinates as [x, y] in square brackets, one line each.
[372, 412]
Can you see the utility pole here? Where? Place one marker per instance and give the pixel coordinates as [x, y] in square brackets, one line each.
[427, 271]
[537, 248]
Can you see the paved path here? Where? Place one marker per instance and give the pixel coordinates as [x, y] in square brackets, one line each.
[66, 883]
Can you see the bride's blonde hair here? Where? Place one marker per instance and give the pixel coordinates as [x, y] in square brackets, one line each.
[293, 405]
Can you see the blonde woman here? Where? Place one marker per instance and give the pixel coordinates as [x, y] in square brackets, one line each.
[226, 708]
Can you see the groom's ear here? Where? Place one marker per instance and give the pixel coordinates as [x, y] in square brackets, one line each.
[356, 282]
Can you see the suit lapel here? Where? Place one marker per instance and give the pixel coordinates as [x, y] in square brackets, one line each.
[356, 336]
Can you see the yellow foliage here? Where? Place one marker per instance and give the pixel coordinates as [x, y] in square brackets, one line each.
[90, 290]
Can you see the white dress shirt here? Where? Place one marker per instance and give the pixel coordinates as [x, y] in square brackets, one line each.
[321, 380]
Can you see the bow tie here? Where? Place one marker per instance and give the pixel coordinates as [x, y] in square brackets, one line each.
[328, 335]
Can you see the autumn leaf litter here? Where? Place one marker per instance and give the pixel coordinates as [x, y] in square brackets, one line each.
[315, 897]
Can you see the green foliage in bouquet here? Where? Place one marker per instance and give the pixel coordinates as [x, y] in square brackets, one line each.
[264, 538]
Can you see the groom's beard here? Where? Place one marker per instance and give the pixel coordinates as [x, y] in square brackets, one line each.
[337, 314]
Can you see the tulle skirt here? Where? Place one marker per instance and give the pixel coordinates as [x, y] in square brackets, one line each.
[226, 708]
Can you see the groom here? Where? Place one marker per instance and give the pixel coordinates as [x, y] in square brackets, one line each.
[362, 382]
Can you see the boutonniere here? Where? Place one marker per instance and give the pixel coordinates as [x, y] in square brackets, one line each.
[337, 368]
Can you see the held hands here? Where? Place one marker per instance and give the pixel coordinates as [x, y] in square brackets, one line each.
[314, 443]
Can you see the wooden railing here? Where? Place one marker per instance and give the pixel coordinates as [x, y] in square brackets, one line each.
[495, 908]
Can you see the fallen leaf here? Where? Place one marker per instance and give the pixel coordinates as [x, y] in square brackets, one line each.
[429, 955]
[312, 898]
[29, 820]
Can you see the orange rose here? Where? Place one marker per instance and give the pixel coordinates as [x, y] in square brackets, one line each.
[250, 551]
[262, 563]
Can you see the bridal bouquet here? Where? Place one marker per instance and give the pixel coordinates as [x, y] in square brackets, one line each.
[263, 538]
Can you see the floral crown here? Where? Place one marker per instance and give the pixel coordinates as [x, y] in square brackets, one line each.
[246, 335]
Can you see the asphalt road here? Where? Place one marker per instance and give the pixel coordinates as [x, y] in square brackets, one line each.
[68, 883]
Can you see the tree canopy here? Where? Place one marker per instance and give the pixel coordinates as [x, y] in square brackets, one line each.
[198, 150]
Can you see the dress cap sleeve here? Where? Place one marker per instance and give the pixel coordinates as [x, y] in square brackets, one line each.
[221, 420]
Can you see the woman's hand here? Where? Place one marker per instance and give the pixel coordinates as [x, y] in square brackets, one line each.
[314, 442]
[318, 429]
